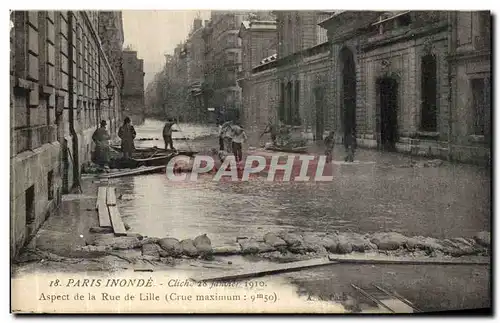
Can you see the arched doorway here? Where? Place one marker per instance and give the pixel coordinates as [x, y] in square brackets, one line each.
[348, 91]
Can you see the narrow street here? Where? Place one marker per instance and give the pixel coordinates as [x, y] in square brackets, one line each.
[364, 199]
[369, 183]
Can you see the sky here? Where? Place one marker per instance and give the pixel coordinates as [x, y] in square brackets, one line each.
[156, 33]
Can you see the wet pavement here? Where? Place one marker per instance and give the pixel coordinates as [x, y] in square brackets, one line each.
[446, 201]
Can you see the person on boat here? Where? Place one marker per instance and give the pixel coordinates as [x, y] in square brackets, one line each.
[101, 139]
[167, 134]
[272, 130]
[329, 145]
[127, 135]
[239, 136]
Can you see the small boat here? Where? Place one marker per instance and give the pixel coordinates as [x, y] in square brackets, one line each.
[147, 158]
[140, 152]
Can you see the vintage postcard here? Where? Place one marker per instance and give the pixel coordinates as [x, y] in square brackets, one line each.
[266, 161]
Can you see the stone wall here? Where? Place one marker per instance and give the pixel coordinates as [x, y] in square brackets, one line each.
[55, 84]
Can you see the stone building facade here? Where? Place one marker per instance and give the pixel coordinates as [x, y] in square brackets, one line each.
[293, 88]
[259, 41]
[133, 104]
[195, 47]
[397, 80]
[470, 57]
[58, 77]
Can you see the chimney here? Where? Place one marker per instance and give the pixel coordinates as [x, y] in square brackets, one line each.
[198, 23]
[206, 23]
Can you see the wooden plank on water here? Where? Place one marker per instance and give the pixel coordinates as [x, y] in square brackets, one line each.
[139, 171]
[269, 269]
[102, 208]
[373, 259]
[101, 195]
[116, 221]
[111, 196]
[103, 214]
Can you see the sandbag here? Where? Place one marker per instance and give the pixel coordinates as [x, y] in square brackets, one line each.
[483, 238]
[291, 239]
[232, 249]
[388, 240]
[359, 242]
[423, 243]
[264, 247]
[330, 243]
[170, 246]
[274, 241]
[203, 245]
[188, 248]
[249, 246]
[101, 230]
[151, 249]
[456, 248]
[344, 246]
[313, 243]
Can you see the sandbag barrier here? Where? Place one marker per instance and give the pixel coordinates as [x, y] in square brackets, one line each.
[296, 243]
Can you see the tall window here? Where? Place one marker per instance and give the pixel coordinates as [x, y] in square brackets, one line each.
[429, 94]
[480, 104]
[296, 104]
[282, 102]
[289, 102]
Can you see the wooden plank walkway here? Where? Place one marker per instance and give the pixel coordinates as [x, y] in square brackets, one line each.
[116, 221]
[111, 196]
[138, 171]
[102, 208]
[269, 269]
[379, 259]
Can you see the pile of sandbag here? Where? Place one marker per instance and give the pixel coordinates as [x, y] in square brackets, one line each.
[201, 246]
[347, 242]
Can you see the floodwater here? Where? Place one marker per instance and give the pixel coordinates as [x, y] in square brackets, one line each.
[446, 201]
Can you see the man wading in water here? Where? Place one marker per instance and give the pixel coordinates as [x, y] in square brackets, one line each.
[167, 134]
[271, 128]
[239, 137]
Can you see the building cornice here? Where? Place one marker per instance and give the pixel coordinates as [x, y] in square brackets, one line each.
[405, 34]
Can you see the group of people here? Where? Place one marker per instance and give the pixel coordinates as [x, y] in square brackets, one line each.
[101, 138]
[231, 139]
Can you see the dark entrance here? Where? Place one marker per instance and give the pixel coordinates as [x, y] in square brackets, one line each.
[348, 91]
[387, 94]
[320, 122]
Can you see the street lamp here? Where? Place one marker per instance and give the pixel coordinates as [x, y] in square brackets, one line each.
[110, 91]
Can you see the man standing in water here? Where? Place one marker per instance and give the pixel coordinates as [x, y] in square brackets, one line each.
[101, 139]
[227, 133]
[167, 134]
[239, 137]
[127, 135]
[271, 129]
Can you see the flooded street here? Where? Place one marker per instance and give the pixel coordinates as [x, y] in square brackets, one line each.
[446, 201]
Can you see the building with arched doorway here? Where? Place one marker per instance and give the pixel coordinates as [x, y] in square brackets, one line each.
[407, 81]
[394, 78]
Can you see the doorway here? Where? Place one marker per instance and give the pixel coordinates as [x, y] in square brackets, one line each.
[320, 119]
[387, 95]
[348, 91]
